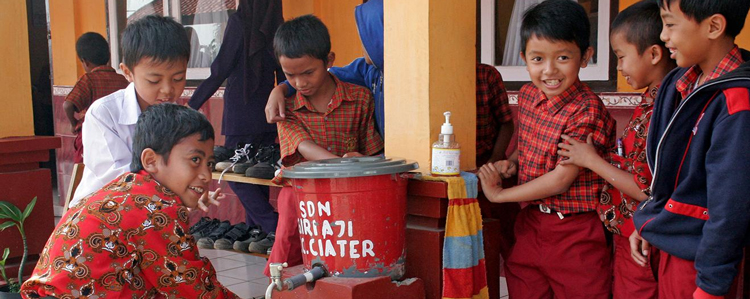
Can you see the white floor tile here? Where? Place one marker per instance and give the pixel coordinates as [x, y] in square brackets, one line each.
[228, 281]
[222, 263]
[249, 272]
[248, 289]
[212, 253]
[503, 287]
[249, 259]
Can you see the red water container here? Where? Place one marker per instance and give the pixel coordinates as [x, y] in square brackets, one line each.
[352, 215]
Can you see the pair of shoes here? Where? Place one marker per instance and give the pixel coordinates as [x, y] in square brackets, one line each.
[208, 240]
[267, 162]
[238, 232]
[201, 224]
[262, 246]
[242, 154]
[248, 158]
[255, 234]
[205, 229]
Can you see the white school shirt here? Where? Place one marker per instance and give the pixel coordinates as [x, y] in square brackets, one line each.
[107, 140]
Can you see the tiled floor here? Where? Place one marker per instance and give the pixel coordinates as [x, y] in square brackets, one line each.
[243, 274]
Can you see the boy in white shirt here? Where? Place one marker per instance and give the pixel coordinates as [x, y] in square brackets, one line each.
[155, 56]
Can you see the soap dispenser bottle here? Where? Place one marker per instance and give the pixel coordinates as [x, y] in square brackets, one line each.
[445, 151]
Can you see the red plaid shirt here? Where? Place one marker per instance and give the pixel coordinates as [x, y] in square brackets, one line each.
[128, 240]
[347, 126]
[731, 61]
[577, 112]
[100, 82]
[616, 208]
[492, 108]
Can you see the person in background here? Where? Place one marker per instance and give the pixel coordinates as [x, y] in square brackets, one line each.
[99, 80]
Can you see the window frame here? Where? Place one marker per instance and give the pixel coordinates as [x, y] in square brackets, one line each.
[602, 71]
[171, 9]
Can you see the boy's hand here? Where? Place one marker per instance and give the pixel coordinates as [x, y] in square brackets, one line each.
[210, 198]
[578, 153]
[489, 177]
[506, 168]
[352, 154]
[276, 105]
[639, 249]
[73, 125]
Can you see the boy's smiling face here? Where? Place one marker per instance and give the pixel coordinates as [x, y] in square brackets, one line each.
[553, 65]
[685, 38]
[635, 67]
[156, 82]
[187, 171]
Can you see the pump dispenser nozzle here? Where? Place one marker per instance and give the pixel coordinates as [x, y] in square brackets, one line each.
[447, 128]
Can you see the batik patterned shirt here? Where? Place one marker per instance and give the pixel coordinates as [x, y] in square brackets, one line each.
[128, 240]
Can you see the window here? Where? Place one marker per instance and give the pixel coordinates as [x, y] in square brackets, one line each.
[501, 40]
[204, 21]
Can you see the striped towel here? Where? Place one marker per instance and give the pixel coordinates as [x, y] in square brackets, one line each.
[464, 272]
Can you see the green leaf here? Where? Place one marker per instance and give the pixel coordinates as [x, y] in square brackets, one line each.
[10, 211]
[5, 254]
[28, 209]
[6, 224]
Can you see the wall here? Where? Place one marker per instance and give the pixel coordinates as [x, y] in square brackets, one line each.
[16, 116]
[68, 20]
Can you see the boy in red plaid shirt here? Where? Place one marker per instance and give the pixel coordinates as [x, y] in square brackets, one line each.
[326, 118]
[100, 80]
[561, 248]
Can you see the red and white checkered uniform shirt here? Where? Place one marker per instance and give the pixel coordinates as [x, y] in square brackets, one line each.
[731, 61]
[577, 112]
[100, 82]
[492, 109]
[347, 126]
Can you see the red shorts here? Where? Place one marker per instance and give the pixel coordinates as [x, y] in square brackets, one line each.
[677, 279]
[559, 258]
[286, 247]
[631, 281]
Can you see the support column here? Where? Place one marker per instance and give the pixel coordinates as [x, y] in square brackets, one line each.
[16, 117]
[430, 68]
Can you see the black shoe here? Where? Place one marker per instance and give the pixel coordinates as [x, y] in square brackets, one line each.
[238, 232]
[222, 153]
[241, 168]
[200, 224]
[206, 229]
[256, 234]
[262, 245]
[262, 170]
[243, 154]
[217, 233]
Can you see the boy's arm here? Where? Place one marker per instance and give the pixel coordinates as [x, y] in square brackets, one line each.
[353, 72]
[106, 155]
[297, 144]
[370, 142]
[70, 112]
[79, 98]
[222, 66]
[179, 269]
[726, 230]
[552, 183]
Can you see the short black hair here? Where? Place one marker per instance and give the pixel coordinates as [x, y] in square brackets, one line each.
[157, 37]
[305, 35]
[557, 20]
[735, 11]
[641, 25]
[92, 47]
[160, 127]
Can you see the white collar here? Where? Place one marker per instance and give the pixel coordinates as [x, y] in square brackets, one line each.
[130, 108]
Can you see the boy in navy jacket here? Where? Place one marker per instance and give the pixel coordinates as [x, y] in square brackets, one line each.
[697, 149]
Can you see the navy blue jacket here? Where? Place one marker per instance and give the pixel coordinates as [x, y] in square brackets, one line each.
[244, 112]
[699, 153]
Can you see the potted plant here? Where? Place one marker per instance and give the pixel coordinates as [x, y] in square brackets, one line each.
[15, 218]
